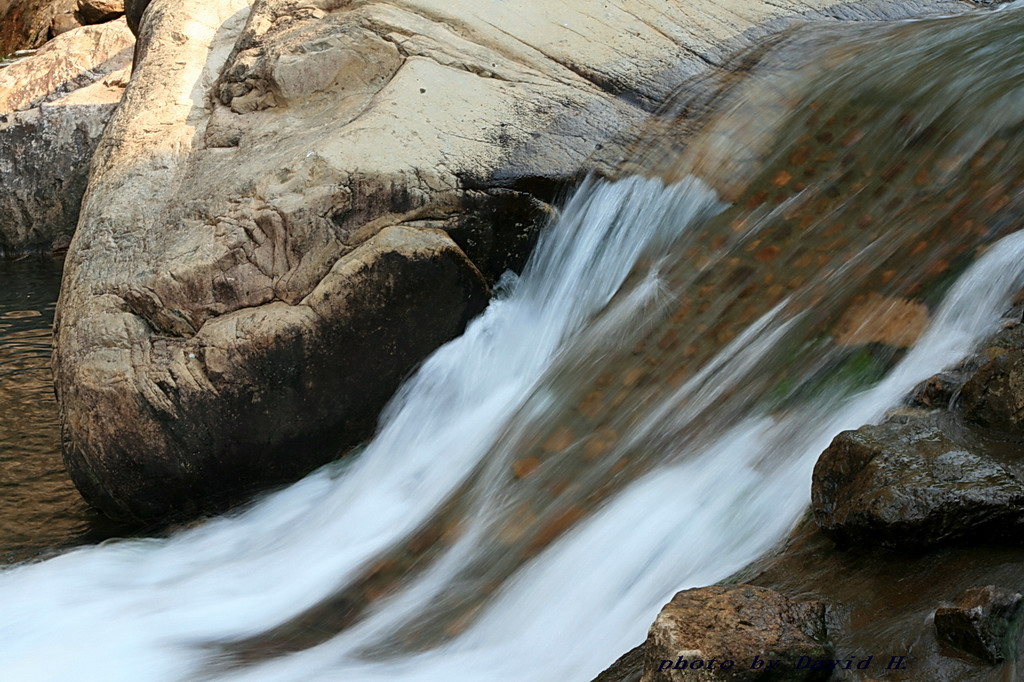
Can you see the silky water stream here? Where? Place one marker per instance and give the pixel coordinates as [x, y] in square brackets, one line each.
[637, 413]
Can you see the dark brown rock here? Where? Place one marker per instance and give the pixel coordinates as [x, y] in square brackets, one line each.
[906, 483]
[994, 396]
[26, 24]
[986, 622]
[739, 624]
[937, 390]
[45, 154]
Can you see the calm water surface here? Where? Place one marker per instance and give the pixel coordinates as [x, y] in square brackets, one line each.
[40, 510]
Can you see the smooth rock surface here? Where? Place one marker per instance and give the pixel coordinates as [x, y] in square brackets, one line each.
[907, 484]
[986, 622]
[738, 624]
[98, 11]
[258, 145]
[54, 106]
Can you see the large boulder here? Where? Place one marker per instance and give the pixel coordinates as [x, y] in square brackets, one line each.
[738, 632]
[310, 374]
[260, 147]
[906, 483]
[54, 106]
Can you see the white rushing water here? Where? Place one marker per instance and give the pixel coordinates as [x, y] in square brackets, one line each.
[144, 610]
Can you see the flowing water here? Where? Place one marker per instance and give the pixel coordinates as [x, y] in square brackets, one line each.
[639, 412]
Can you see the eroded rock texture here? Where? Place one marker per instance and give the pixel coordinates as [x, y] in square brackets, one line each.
[737, 632]
[260, 148]
[54, 106]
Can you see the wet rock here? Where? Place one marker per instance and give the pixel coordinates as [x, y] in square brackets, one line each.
[737, 632]
[54, 106]
[937, 390]
[994, 396]
[906, 483]
[986, 622]
[628, 668]
[99, 11]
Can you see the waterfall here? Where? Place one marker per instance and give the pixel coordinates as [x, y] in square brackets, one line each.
[637, 413]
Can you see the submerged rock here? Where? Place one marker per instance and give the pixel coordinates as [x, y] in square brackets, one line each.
[986, 622]
[891, 321]
[908, 484]
[54, 106]
[738, 632]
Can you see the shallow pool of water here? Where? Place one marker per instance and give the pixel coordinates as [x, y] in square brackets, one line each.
[40, 510]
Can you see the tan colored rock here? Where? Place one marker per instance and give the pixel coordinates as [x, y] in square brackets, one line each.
[257, 147]
[69, 62]
[99, 11]
[54, 106]
[735, 633]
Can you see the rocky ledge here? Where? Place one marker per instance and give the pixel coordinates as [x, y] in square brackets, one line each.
[282, 182]
[54, 106]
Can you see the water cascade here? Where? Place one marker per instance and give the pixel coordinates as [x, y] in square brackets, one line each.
[637, 413]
